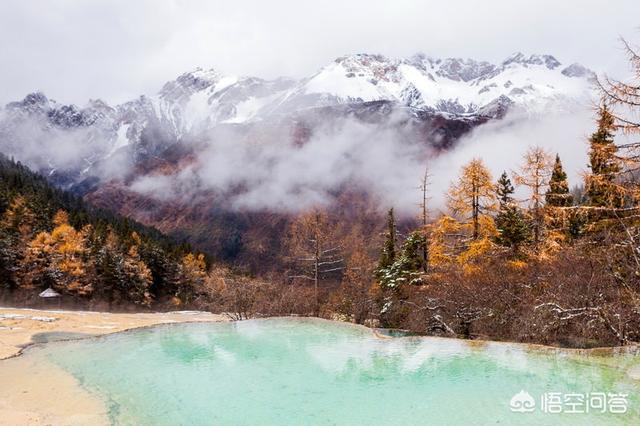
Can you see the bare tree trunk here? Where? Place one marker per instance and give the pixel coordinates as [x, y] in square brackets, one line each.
[316, 266]
[536, 209]
[425, 216]
[317, 257]
[475, 212]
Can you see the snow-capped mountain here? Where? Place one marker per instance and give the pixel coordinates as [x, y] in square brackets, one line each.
[453, 86]
[44, 132]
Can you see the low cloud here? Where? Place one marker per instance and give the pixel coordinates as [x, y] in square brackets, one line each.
[502, 144]
[277, 173]
[385, 159]
[43, 148]
[51, 149]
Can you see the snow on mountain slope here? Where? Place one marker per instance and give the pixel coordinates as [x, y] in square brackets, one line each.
[38, 128]
[48, 135]
[199, 100]
[244, 100]
[358, 78]
[449, 86]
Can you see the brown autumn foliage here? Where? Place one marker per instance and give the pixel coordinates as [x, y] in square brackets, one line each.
[241, 297]
[573, 299]
[577, 284]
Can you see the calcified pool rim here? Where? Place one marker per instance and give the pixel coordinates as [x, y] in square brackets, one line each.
[597, 358]
[606, 353]
[380, 333]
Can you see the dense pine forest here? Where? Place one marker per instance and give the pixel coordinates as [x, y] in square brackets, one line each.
[524, 256]
[50, 238]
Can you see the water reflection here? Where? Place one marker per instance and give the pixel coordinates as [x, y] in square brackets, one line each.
[319, 372]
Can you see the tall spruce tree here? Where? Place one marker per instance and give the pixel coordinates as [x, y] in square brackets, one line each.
[504, 190]
[409, 265]
[513, 229]
[558, 194]
[602, 191]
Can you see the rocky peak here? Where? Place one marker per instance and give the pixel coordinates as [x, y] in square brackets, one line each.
[189, 83]
[67, 116]
[363, 60]
[99, 104]
[197, 101]
[377, 67]
[38, 106]
[577, 70]
[35, 102]
[519, 58]
[463, 69]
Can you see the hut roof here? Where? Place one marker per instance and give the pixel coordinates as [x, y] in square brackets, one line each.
[49, 292]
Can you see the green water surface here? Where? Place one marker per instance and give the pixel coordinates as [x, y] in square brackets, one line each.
[315, 372]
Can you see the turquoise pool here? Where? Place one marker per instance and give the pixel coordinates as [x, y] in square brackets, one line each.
[316, 372]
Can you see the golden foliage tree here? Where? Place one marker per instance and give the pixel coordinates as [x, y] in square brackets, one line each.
[137, 277]
[16, 228]
[479, 251]
[624, 101]
[627, 95]
[59, 258]
[449, 243]
[18, 216]
[444, 241]
[602, 187]
[473, 196]
[535, 174]
[193, 276]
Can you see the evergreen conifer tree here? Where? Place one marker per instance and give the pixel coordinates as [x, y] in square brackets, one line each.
[409, 265]
[510, 222]
[558, 194]
[388, 255]
[601, 188]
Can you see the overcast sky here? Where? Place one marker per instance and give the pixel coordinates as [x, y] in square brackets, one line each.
[74, 50]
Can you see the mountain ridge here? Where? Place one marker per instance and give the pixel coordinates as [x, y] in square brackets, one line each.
[197, 101]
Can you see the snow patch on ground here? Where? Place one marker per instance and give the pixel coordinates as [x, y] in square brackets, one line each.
[20, 316]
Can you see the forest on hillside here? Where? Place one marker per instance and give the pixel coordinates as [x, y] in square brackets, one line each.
[560, 267]
[52, 239]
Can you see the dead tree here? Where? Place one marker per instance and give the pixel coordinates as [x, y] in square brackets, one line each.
[424, 215]
[314, 253]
